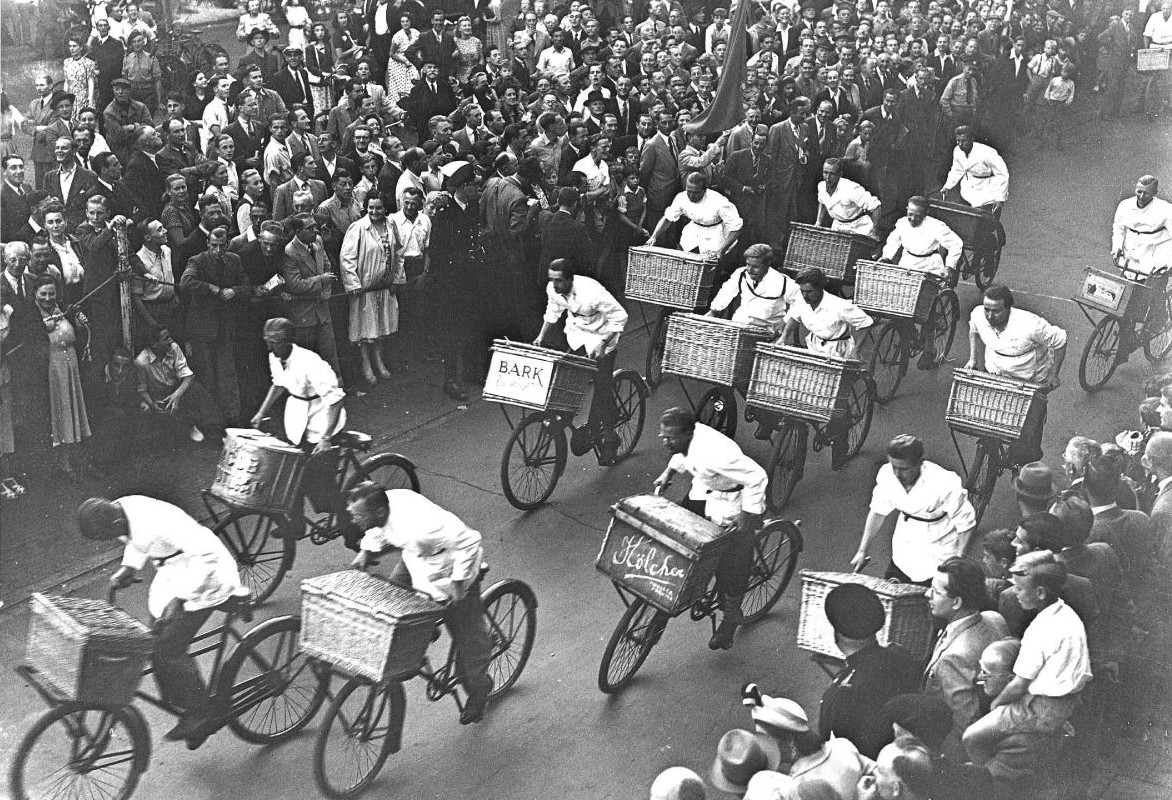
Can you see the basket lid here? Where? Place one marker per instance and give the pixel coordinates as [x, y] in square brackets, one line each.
[676, 254]
[374, 592]
[789, 353]
[881, 587]
[976, 376]
[704, 319]
[95, 620]
[957, 208]
[261, 439]
[546, 353]
[672, 519]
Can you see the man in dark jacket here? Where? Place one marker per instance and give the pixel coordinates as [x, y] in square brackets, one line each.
[292, 82]
[563, 235]
[431, 96]
[97, 238]
[748, 174]
[69, 183]
[15, 198]
[435, 46]
[145, 178]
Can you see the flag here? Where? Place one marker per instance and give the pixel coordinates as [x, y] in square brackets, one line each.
[727, 108]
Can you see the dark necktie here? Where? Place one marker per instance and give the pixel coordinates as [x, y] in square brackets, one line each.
[672, 146]
[968, 91]
[312, 252]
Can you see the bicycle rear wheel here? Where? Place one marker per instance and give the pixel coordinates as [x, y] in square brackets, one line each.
[860, 409]
[273, 688]
[987, 259]
[982, 479]
[361, 728]
[630, 397]
[1101, 355]
[787, 461]
[775, 556]
[718, 409]
[946, 313]
[638, 631]
[389, 470]
[262, 555]
[889, 360]
[654, 370]
[534, 458]
[1157, 346]
[511, 609]
[80, 752]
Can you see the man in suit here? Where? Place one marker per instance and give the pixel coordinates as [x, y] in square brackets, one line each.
[15, 198]
[955, 600]
[268, 102]
[943, 64]
[331, 161]
[837, 95]
[563, 235]
[430, 97]
[511, 222]
[382, 20]
[247, 131]
[40, 116]
[304, 178]
[179, 156]
[292, 82]
[301, 138]
[1008, 80]
[659, 169]
[1157, 460]
[741, 137]
[473, 131]
[1129, 532]
[217, 288]
[96, 237]
[790, 147]
[45, 136]
[145, 179]
[886, 146]
[310, 281]
[574, 151]
[69, 183]
[435, 46]
[109, 171]
[346, 111]
[787, 40]
[920, 113]
[108, 53]
[748, 176]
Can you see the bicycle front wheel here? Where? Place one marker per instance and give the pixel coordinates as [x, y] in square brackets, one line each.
[860, 409]
[946, 313]
[271, 684]
[982, 480]
[532, 463]
[787, 461]
[511, 610]
[79, 752]
[389, 470]
[638, 631]
[1101, 355]
[263, 550]
[775, 556]
[1158, 343]
[361, 728]
[889, 361]
[655, 348]
[630, 398]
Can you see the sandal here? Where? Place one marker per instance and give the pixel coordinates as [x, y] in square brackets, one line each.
[6, 493]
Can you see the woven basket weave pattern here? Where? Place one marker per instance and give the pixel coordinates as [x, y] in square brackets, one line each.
[908, 620]
[894, 291]
[569, 382]
[799, 383]
[670, 278]
[833, 252]
[710, 349]
[984, 404]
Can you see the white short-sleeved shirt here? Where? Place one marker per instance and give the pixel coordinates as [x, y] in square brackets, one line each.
[1159, 30]
[1023, 349]
[723, 476]
[1054, 656]
[829, 325]
[764, 304]
[710, 220]
[933, 514]
[313, 388]
[592, 314]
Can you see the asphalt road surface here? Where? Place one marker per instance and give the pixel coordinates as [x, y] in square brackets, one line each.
[555, 734]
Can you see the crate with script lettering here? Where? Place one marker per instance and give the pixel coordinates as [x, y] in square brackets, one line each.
[537, 378]
[660, 551]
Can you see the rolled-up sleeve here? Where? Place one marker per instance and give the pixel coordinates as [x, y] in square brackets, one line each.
[1049, 335]
[730, 217]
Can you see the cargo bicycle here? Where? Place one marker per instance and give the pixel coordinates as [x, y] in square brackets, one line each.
[660, 574]
[363, 722]
[983, 236]
[257, 502]
[1135, 315]
[549, 387]
[94, 741]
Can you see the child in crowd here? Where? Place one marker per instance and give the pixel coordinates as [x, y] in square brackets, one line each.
[1056, 101]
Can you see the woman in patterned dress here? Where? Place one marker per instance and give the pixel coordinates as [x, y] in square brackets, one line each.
[319, 62]
[371, 263]
[401, 73]
[469, 50]
[80, 73]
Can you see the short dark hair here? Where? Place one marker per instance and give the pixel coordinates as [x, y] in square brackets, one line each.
[369, 494]
[1101, 477]
[678, 418]
[812, 276]
[966, 580]
[208, 200]
[342, 173]
[1000, 292]
[298, 159]
[1043, 531]
[562, 265]
[100, 161]
[999, 544]
[298, 222]
[1076, 517]
[906, 447]
[568, 197]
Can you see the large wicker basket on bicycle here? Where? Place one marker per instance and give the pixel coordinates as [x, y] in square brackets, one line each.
[974, 226]
[799, 383]
[670, 278]
[908, 619]
[366, 625]
[1113, 294]
[537, 378]
[660, 551]
[834, 252]
[88, 650]
[981, 404]
[709, 349]
[894, 291]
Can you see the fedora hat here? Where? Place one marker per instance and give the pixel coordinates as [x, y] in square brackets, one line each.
[677, 783]
[781, 712]
[59, 96]
[740, 755]
[1035, 482]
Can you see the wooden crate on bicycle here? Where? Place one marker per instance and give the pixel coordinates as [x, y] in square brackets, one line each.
[1152, 60]
[799, 383]
[660, 551]
[537, 378]
[365, 625]
[981, 404]
[973, 225]
[711, 349]
[671, 278]
[836, 253]
[905, 606]
[88, 650]
[1114, 294]
[894, 291]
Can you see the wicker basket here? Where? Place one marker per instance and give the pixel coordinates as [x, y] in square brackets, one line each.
[1152, 60]
[670, 278]
[366, 625]
[974, 226]
[88, 650]
[798, 383]
[833, 252]
[537, 377]
[981, 404]
[894, 291]
[909, 622]
[711, 349]
[1114, 294]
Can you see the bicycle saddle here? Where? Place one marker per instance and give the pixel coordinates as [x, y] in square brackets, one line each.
[353, 440]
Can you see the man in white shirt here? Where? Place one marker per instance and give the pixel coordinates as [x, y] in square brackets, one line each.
[979, 171]
[828, 319]
[765, 294]
[440, 556]
[935, 519]
[728, 488]
[277, 157]
[594, 323]
[1052, 668]
[195, 574]
[1158, 36]
[850, 207]
[556, 60]
[1141, 234]
[713, 221]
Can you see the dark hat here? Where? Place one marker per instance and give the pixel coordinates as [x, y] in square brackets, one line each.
[120, 82]
[740, 755]
[595, 97]
[854, 611]
[59, 96]
[927, 718]
[252, 34]
[824, 43]
[1035, 482]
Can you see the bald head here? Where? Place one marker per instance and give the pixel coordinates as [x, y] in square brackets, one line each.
[1157, 457]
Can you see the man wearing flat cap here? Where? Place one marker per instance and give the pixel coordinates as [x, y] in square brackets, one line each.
[873, 674]
[292, 82]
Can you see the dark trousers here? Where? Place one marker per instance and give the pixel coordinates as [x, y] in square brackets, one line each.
[320, 339]
[734, 567]
[176, 672]
[1117, 80]
[215, 367]
[603, 412]
[896, 574]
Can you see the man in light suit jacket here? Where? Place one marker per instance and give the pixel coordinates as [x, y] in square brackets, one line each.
[80, 184]
[659, 169]
[955, 599]
[310, 280]
[1157, 460]
[304, 169]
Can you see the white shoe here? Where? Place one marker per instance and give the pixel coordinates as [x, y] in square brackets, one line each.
[196, 435]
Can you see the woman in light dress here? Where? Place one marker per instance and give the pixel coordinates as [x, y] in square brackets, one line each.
[254, 18]
[372, 270]
[10, 122]
[80, 73]
[319, 62]
[298, 18]
[469, 50]
[401, 73]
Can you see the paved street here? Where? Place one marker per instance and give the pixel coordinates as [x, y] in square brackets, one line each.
[555, 734]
